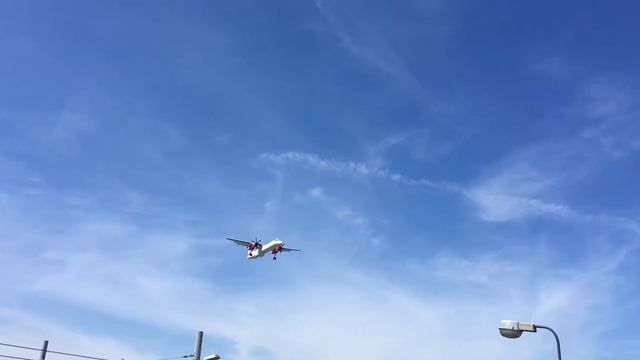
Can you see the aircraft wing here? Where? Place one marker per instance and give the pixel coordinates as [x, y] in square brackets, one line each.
[240, 242]
[288, 249]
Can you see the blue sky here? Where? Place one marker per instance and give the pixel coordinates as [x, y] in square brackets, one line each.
[443, 165]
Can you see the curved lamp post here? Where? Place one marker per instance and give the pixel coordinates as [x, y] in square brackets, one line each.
[514, 329]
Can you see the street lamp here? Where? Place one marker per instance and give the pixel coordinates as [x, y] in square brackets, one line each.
[212, 357]
[514, 329]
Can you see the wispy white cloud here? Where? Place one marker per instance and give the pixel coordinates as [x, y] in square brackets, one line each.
[615, 109]
[421, 145]
[325, 165]
[510, 196]
[373, 47]
[346, 214]
[516, 186]
[348, 168]
[499, 207]
[379, 55]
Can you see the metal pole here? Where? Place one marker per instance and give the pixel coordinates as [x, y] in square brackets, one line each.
[43, 353]
[198, 351]
[555, 335]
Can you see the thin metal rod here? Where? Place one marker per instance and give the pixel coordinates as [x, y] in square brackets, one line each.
[20, 346]
[555, 335]
[177, 357]
[76, 355]
[53, 352]
[14, 357]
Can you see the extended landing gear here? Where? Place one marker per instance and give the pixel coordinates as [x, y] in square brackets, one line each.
[274, 257]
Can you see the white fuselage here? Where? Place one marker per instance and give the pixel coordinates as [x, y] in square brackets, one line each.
[265, 249]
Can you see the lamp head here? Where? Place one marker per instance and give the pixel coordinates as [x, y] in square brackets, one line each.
[510, 333]
[513, 329]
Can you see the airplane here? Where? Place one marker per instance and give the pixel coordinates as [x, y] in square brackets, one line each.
[255, 249]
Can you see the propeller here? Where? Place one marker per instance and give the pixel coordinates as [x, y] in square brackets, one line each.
[277, 250]
[255, 244]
